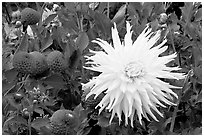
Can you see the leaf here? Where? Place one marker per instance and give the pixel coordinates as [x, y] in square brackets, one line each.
[49, 18]
[55, 81]
[7, 86]
[47, 41]
[187, 11]
[45, 131]
[16, 119]
[103, 23]
[187, 93]
[92, 33]
[198, 73]
[136, 5]
[74, 59]
[70, 6]
[119, 16]
[68, 24]
[198, 15]
[11, 75]
[147, 8]
[82, 41]
[197, 55]
[199, 99]
[39, 111]
[40, 122]
[196, 131]
[103, 121]
[24, 44]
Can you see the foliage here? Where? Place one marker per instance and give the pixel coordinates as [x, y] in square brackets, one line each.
[69, 27]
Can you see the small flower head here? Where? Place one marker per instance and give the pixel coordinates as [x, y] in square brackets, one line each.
[130, 75]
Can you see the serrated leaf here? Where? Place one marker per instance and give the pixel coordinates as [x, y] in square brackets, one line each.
[82, 41]
[55, 81]
[40, 122]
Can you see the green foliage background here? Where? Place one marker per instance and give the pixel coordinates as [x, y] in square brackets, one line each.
[29, 102]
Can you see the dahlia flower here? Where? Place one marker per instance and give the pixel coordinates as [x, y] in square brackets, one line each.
[130, 75]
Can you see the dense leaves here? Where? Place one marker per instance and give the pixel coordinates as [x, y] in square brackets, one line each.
[29, 101]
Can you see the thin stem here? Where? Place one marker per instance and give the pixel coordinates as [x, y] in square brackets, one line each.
[173, 46]
[175, 113]
[108, 9]
[29, 124]
[81, 23]
[178, 101]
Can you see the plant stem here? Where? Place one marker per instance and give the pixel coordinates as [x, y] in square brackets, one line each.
[173, 46]
[81, 23]
[29, 124]
[178, 101]
[108, 9]
[175, 113]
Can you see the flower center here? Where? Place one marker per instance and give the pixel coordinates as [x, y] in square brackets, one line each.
[134, 70]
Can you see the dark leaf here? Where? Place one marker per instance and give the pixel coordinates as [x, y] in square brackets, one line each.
[92, 33]
[75, 58]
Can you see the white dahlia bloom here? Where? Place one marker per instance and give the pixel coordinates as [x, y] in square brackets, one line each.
[130, 73]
